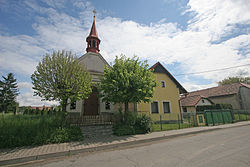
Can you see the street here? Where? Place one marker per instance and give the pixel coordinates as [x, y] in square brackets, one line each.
[221, 148]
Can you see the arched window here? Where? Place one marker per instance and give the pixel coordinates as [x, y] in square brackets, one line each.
[93, 43]
[89, 43]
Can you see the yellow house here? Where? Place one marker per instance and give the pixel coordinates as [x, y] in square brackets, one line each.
[166, 99]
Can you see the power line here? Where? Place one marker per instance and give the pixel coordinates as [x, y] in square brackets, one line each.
[212, 70]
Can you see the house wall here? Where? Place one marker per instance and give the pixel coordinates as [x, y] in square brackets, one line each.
[229, 99]
[170, 94]
[245, 98]
[191, 109]
[78, 109]
[102, 109]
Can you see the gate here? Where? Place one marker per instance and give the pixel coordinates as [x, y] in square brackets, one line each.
[217, 117]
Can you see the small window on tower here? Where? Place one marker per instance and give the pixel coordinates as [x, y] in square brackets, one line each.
[89, 43]
[93, 43]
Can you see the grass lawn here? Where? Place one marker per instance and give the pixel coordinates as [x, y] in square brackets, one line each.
[157, 127]
[241, 117]
[26, 130]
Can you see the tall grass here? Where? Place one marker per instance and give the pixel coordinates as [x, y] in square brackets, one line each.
[25, 130]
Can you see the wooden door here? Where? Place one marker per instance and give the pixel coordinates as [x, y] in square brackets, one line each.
[91, 104]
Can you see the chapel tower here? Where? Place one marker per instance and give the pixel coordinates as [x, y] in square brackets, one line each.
[93, 40]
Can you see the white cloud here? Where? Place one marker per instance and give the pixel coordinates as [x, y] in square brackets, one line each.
[25, 85]
[218, 17]
[191, 86]
[198, 48]
[19, 54]
[27, 98]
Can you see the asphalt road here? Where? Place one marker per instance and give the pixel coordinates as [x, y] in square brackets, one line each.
[221, 148]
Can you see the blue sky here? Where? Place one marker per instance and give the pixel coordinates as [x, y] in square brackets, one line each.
[186, 36]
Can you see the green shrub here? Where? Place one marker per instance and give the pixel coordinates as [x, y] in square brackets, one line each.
[134, 124]
[59, 135]
[213, 107]
[142, 124]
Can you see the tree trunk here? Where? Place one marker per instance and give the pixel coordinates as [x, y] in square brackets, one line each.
[126, 107]
[126, 112]
[64, 106]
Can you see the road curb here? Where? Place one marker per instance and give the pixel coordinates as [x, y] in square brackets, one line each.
[105, 147]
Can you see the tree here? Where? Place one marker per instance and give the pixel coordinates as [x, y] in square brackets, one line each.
[128, 81]
[237, 79]
[60, 77]
[8, 93]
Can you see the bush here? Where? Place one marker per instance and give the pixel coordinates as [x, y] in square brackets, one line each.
[213, 107]
[142, 124]
[26, 130]
[135, 124]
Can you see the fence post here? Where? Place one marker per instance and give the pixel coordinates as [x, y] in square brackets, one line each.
[189, 120]
[160, 123]
[179, 122]
[246, 115]
[194, 119]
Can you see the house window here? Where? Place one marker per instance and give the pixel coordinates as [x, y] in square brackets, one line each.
[73, 105]
[154, 107]
[203, 101]
[166, 107]
[163, 84]
[107, 105]
[185, 109]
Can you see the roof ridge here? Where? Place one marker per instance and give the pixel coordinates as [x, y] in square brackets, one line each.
[214, 87]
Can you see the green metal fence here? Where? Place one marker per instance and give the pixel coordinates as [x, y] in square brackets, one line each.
[217, 117]
[173, 121]
[207, 117]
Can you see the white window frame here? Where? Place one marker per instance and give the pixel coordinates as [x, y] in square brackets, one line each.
[170, 109]
[159, 111]
[164, 83]
[71, 104]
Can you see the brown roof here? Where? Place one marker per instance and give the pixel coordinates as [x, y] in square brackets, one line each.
[192, 100]
[93, 32]
[219, 90]
[159, 68]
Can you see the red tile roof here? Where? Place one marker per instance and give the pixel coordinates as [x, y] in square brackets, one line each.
[190, 100]
[219, 90]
